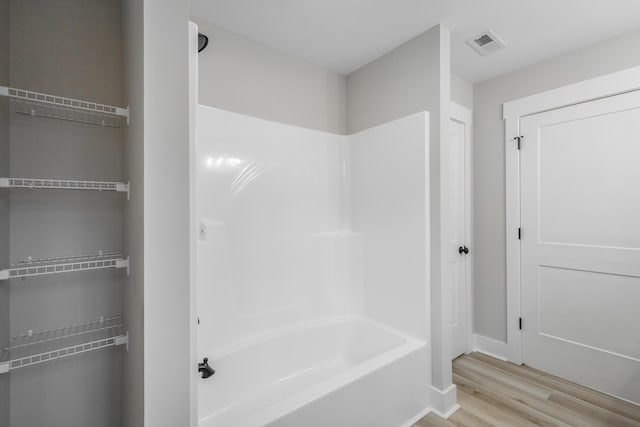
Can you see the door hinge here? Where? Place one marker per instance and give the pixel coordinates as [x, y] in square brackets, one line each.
[519, 139]
[520, 323]
[519, 233]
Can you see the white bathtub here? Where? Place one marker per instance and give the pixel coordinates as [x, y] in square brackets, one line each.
[261, 380]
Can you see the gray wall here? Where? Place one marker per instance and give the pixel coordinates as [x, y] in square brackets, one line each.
[73, 48]
[4, 205]
[461, 91]
[168, 364]
[241, 75]
[489, 177]
[395, 85]
[133, 96]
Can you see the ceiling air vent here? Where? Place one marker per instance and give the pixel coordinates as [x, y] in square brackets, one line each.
[486, 43]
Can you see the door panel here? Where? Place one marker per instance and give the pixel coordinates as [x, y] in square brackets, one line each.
[581, 243]
[598, 319]
[457, 233]
[589, 168]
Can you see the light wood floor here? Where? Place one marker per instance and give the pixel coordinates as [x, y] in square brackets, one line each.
[496, 393]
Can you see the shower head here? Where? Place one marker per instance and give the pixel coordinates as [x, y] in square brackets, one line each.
[203, 41]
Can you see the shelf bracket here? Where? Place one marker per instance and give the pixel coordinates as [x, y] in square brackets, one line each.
[123, 339]
[5, 367]
[4, 274]
[4, 182]
[123, 187]
[123, 264]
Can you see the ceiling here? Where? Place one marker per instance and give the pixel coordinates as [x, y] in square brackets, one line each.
[343, 35]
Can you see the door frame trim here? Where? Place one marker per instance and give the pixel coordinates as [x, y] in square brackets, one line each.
[464, 116]
[588, 90]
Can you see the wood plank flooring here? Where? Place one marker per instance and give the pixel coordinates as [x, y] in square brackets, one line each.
[496, 393]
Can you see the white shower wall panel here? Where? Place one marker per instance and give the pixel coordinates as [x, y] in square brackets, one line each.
[300, 228]
[390, 194]
[273, 250]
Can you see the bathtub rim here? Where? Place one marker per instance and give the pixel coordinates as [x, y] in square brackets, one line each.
[262, 337]
[316, 391]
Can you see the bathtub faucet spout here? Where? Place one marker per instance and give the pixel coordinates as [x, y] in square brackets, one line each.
[205, 369]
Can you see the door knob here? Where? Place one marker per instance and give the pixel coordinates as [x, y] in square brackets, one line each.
[463, 249]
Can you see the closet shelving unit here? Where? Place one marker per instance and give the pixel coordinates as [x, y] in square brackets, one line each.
[40, 267]
[37, 104]
[64, 184]
[42, 346]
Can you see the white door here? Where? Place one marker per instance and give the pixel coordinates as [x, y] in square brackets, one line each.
[580, 172]
[458, 254]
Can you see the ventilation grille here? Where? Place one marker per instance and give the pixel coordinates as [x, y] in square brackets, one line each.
[486, 43]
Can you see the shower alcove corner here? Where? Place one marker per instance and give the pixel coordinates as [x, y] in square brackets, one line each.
[312, 280]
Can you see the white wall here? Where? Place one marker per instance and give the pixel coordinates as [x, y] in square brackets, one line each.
[133, 96]
[241, 75]
[489, 160]
[168, 365]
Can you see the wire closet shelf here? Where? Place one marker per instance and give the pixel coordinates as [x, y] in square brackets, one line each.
[39, 267]
[64, 184]
[38, 104]
[36, 347]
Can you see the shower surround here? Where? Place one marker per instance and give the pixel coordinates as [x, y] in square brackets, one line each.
[313, 294]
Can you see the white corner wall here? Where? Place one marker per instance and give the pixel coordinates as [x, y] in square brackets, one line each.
[168, 365]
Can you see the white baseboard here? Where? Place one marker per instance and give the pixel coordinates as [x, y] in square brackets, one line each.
[411, 422]
[491, 347]
[446, 415]
[444, 402]
[420, 415]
